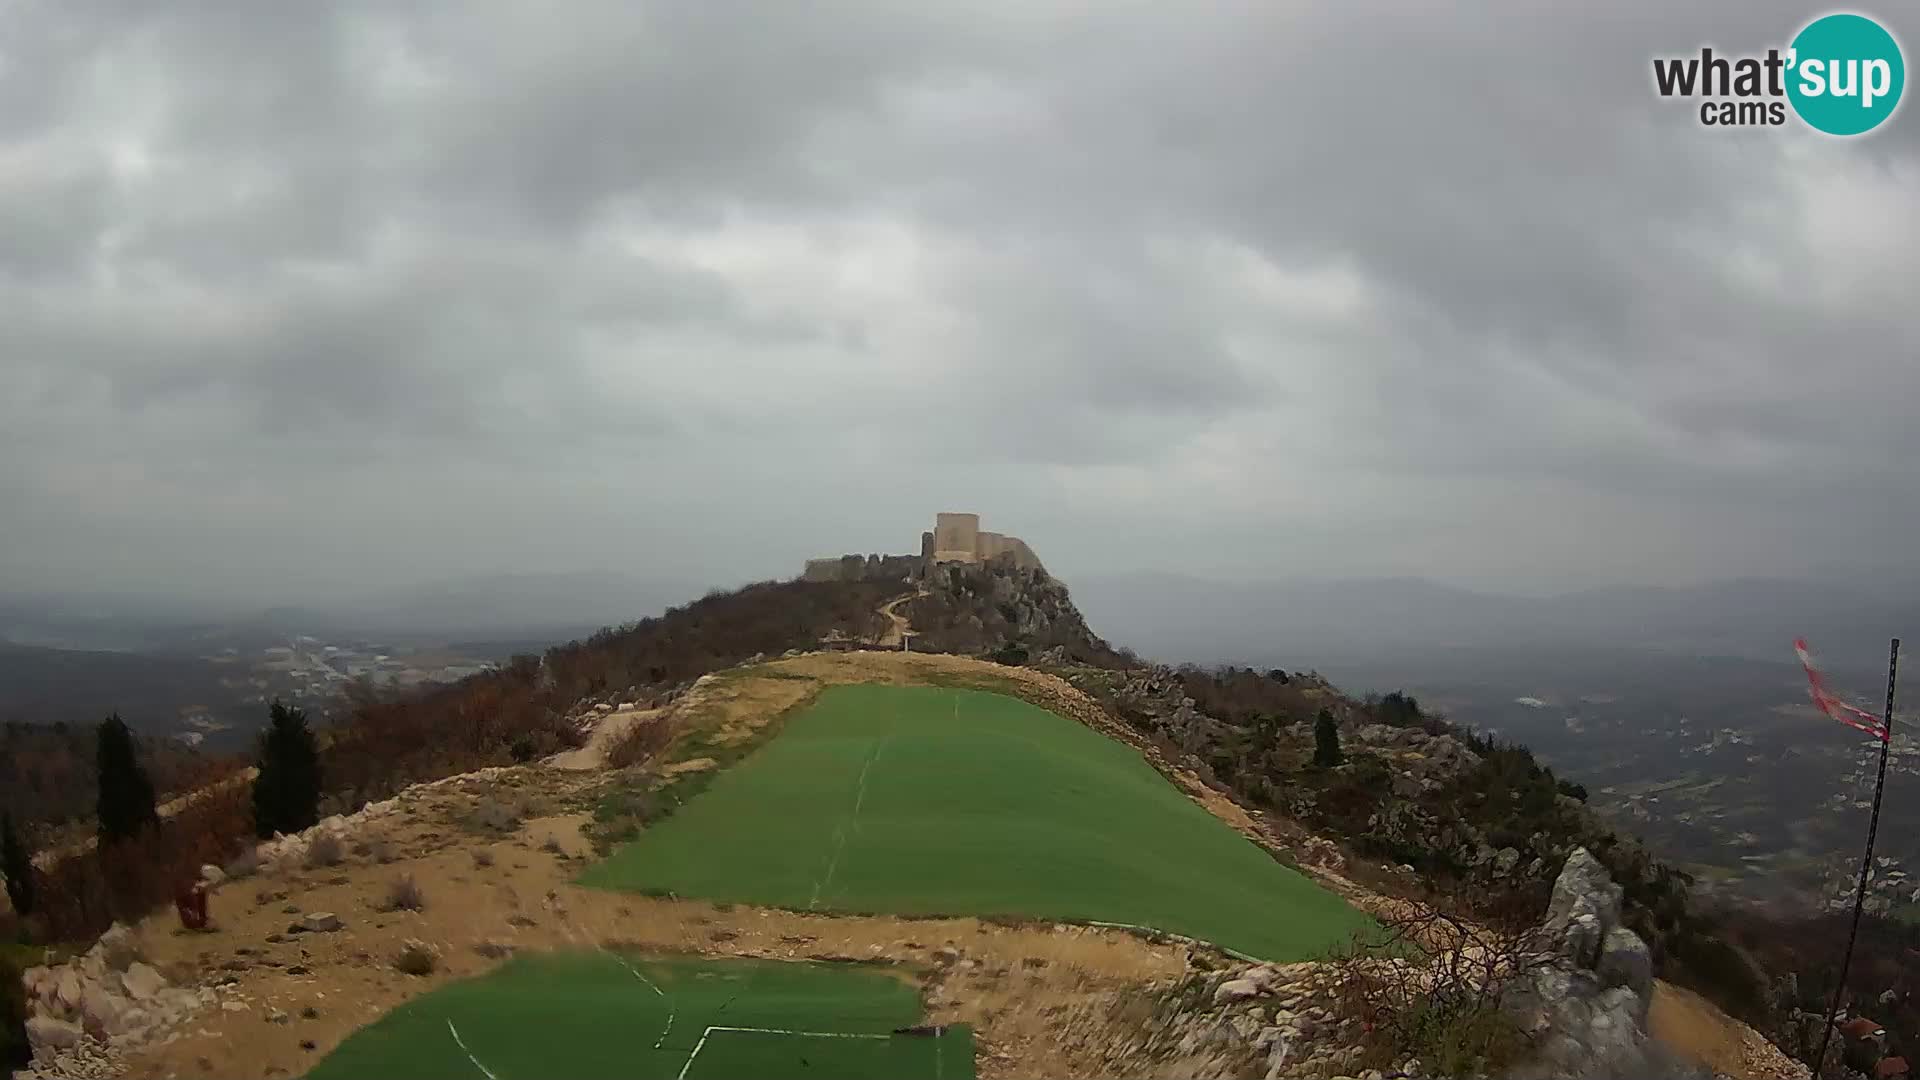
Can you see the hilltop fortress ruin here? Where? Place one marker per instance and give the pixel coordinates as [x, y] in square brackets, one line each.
[955, 538]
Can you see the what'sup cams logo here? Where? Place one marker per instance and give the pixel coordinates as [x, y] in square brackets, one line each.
[1842, 74]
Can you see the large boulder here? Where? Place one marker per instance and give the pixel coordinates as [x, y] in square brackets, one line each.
[142, 982]
[46, 1033]
[101, 1011]
[1583, 887]
[68, 991]
[1626, 961]
[1505, 861]
[1585, 1006]
[119, 947]
[1235, 990]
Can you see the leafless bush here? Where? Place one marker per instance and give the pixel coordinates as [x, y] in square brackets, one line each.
[325, 850]
[381, 851]
[403, 894]
[493, 950]
[553, 845]
[1430, 986]
[482, 858]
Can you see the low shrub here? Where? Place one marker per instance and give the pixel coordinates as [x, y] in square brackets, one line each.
[404, 894]
[325, 850]
[493, 815]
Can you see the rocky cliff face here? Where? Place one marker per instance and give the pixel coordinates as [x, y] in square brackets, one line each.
[981, 608]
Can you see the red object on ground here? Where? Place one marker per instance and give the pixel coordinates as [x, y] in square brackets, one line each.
[192, 905]
[1890, 1067]
[1860, 1028]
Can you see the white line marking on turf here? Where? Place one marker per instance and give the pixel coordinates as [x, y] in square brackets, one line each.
[672, 1001]
[463, 1049]
[840, 830]
[768, 1031]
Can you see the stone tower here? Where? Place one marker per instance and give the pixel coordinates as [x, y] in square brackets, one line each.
[956, 538]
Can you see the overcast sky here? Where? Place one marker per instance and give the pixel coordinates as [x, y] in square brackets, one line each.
[298, 299]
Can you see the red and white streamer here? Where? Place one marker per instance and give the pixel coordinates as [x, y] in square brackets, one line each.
[1826, 701]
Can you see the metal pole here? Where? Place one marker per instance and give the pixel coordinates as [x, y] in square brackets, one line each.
[1866, 862]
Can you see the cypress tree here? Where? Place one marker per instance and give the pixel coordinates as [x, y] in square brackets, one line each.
[126, 795]
[1326, 741]
[17, 863]
[15, 1051]
[286, 794]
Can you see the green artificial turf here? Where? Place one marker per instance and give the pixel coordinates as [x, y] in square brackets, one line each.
[593, 1014]
[926, 801]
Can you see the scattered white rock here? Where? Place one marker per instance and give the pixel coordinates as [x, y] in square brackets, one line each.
[1235, 990]
[142, 982]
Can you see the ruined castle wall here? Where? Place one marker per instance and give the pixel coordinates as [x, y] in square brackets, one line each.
[863, 568]
[1010, 548]
[821, 570]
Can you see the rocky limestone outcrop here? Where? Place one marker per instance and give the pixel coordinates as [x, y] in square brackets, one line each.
[1260, 1020]
[1585, 1002]
[1155, 698]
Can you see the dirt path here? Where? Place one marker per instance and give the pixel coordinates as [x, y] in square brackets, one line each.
[897, 625]
[1697, 1030]
[606, 732]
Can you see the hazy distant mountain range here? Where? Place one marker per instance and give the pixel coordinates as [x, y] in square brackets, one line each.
[1320, 623]
[534, 608]
[1164, 616]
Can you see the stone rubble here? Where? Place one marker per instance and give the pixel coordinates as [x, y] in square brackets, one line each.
[83, 1015]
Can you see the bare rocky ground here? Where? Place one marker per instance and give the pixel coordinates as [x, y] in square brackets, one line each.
[301, 953]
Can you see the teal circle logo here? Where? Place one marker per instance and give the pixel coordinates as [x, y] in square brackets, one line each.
[1846, 74]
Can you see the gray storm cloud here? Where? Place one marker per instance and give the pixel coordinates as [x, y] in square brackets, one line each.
[351, 295]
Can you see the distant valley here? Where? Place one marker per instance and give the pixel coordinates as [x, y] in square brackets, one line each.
[1681, 710]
